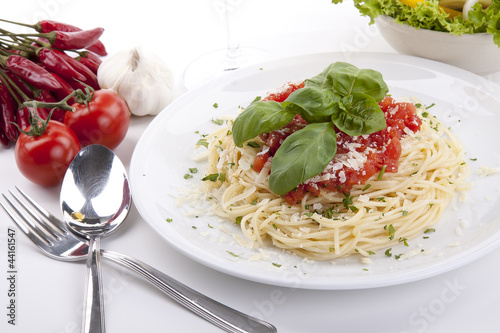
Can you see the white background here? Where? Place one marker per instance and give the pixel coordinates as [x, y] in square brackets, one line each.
[49, 293]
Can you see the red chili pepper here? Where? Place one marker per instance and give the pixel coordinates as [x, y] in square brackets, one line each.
[20, 84]
[49, 26]
[56, 64]
[22, 118]
[65, 91]
[98, 48]
[77, 39]
[91, 78]
[92, 57]
[7, 116]
[89, 64]
[3, 138]
[30, 72]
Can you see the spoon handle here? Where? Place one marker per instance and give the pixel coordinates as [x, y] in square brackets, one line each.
[218, 314]
[93, 308]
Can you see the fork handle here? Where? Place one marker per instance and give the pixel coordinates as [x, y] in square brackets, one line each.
[218, 314]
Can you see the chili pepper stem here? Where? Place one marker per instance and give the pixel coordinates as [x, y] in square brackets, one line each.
[6, 79]
[51, 36]
[18, 23]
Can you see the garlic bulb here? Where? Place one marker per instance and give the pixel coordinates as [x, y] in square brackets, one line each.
[140, 78]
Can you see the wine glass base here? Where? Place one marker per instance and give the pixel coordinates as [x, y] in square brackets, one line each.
[219, 62]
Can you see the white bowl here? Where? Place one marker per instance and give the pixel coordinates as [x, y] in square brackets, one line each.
[473, 52]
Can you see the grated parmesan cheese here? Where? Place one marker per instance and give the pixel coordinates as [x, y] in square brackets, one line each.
[365, 261]
[485, 171]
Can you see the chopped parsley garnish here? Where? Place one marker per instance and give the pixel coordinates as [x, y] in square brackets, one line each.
[187, 176]
[216, 105]
[276, 265]
[388, 252]
[390, 229]
[381, 173]
[238, 219]
[169, 219]
[213, 177]
[222, 177]
[202, 142]
[347, 201]
[218, 121]
[233, 254]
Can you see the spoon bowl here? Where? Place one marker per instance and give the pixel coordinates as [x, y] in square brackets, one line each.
[95, 200]
[95, 195]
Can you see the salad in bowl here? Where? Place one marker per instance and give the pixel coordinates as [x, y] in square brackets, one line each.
[463, 33]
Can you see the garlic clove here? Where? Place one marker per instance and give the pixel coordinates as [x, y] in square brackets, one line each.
[141, 78]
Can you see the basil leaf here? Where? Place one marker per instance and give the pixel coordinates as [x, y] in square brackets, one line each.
[313, 104]
[359, 114]
[349, 79]
[345, 79]
[304, 154]
[259, 117]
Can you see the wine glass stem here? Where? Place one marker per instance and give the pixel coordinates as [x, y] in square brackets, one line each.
[234, 54]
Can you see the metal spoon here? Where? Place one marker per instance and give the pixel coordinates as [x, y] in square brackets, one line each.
[95, 200]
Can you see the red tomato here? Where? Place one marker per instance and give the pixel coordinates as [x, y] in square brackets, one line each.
[44, 159]
[105, 122]
[260, 160]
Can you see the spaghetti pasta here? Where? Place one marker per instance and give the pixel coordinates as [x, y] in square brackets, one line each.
[389, 209]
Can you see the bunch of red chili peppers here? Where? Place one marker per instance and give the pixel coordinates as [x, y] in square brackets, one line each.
[46, 67]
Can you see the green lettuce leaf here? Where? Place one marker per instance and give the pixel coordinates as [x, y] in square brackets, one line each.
[428, 16]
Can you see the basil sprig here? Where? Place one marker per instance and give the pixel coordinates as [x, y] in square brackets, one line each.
[342, 96]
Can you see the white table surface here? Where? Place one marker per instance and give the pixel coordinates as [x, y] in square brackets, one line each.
[49, 293]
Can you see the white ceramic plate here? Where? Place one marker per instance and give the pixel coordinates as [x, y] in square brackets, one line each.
[463, 101]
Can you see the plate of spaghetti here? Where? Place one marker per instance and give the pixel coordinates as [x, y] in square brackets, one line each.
[327, 171]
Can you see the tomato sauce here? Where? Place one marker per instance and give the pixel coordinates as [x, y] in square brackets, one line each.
[358, 157]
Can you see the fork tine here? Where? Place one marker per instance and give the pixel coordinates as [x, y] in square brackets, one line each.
[24, 225]
[38, 220]
[53, 222]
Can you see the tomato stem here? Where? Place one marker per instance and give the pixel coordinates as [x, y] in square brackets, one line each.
[38, 125]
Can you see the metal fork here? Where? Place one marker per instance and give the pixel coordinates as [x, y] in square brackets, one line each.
[56, 241]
